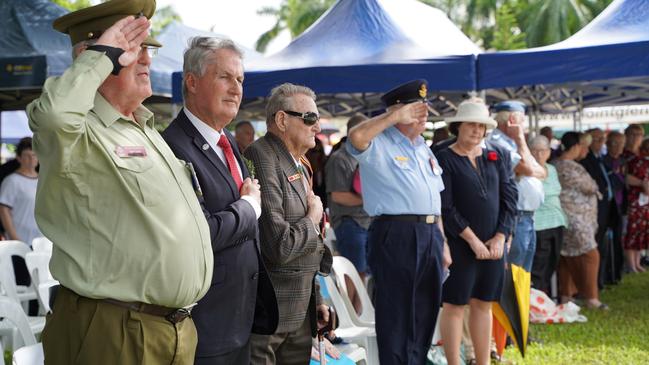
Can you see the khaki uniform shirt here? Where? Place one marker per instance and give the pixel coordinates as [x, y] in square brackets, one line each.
[124, 226]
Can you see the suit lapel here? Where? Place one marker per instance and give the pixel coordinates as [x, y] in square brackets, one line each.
[288, 168]
[209, 153]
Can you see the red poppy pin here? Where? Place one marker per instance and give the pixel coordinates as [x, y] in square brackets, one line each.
[492, 156]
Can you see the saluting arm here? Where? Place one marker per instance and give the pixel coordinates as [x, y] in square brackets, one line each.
[66, 100]
[361, 135]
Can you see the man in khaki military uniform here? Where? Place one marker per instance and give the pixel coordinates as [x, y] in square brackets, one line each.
[131, 245]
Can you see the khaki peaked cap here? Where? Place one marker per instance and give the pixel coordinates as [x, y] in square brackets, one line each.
[91, 22]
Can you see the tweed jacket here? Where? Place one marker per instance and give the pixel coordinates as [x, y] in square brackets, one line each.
[291, 247]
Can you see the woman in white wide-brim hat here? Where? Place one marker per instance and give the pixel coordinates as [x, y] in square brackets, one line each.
[478, 207]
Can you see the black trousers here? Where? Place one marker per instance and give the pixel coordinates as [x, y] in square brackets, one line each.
[604, 212]
[406, 261]
[546, 257]
[615, 264]
[240, 356]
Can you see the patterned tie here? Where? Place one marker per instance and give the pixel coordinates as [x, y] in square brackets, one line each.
[224, 143]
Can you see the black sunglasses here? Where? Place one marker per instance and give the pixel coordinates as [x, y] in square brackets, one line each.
[309, 118]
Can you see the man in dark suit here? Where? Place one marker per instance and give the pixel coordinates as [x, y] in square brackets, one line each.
[291, 242]
[600, 172]
[241, 298]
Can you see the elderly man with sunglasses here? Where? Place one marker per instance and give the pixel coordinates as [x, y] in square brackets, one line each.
[401, 183]
[131, 246]
[291, 241]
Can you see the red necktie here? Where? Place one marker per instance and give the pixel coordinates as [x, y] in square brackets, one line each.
[232, 161]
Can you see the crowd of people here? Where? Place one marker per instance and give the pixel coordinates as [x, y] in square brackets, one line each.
[198, 246]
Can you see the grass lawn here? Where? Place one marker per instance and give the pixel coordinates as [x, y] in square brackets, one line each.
[619, 336]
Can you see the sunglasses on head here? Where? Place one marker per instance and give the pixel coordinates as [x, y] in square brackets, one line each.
[309, 118]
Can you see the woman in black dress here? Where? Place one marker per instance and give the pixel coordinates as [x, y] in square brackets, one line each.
[478, 207]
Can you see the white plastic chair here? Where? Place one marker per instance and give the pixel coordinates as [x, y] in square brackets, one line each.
[42, 244]
[355, 353]
[29, 355]
[38, 267]
[20, 293]
[330, 237]
[14, 324]
[362, 336]
[343, 267]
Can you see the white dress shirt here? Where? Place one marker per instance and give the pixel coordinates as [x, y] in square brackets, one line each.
[212, 137]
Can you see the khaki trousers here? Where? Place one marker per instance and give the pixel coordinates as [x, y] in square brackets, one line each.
[87, 331]
[284, 348]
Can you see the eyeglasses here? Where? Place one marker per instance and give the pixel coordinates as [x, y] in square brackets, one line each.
[309, 118]
[151, 50]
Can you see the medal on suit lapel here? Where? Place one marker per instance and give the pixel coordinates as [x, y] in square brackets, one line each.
[294, 177]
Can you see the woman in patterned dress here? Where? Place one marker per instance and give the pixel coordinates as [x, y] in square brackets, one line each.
[579, 262]
[637, 236]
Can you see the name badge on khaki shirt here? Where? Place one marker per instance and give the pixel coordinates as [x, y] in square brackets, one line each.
[130, 151]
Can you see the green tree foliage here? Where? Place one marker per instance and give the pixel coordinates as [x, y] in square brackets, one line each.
[551, 21]
[542, 21]
[294, 15]
[538, 22]
[507, 34]
[162, 18]
[73, 5]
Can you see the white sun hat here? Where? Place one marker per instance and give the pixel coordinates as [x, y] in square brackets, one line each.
[475, 111]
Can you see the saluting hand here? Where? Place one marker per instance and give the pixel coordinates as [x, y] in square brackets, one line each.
[515, 127]
[127, 34]
[410, 113]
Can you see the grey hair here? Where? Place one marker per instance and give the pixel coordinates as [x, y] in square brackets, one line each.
[197, 52]
[280, 99]
[540, 140]
[502, 116]
[80, 46]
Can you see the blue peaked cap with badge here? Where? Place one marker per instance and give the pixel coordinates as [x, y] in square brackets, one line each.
[510, 106]
[411, 91]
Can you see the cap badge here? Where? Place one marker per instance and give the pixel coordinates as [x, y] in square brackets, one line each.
[423, 91]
